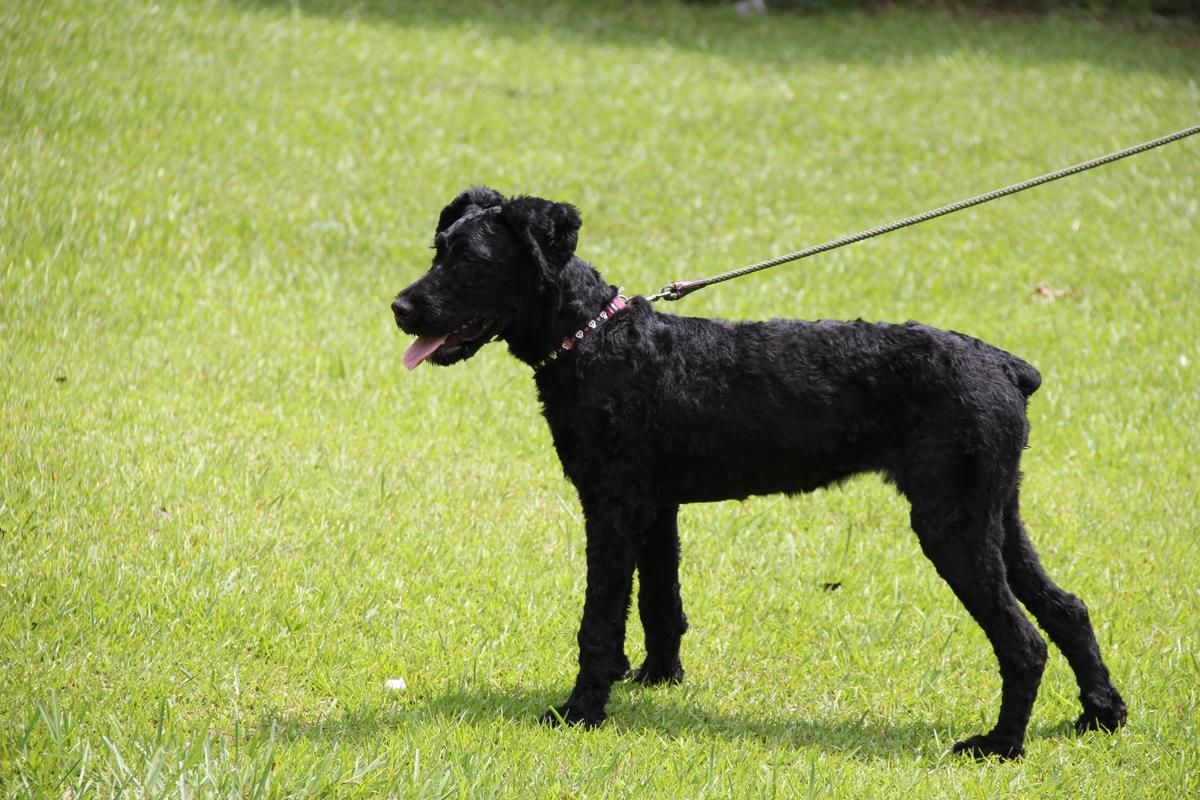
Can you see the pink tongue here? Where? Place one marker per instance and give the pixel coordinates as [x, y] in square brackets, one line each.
[422, 349]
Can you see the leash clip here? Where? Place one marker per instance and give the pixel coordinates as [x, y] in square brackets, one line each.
[676, 290]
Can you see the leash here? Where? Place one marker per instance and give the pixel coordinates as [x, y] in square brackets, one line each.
[676, 290]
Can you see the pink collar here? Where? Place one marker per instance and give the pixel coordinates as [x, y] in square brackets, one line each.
[569, 342]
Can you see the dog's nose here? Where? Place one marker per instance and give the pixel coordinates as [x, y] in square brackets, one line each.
[402, 307]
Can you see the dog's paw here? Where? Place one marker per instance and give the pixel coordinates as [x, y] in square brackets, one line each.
[653, 674]
[567, 714]
[1102, 718]
[987, 746]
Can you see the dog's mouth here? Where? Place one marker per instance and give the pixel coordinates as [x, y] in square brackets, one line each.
[446, 348]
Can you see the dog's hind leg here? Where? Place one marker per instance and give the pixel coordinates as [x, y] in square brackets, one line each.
[964, 545]
[659, 604]
[1065, 618]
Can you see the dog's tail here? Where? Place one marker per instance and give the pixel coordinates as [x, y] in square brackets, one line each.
[1023, 374]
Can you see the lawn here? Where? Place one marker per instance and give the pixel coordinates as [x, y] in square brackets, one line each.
[228, 515]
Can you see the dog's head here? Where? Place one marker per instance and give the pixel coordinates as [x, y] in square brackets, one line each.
[494, 271]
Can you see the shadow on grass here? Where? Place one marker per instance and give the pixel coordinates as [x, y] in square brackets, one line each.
[633, 710]
[887, 38]
[638, 711]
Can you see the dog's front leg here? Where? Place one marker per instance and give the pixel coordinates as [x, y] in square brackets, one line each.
[659, 604]
[611, 554]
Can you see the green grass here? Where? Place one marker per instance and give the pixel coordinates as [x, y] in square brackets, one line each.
[228, 516]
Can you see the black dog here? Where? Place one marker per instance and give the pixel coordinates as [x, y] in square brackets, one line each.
[651, 410]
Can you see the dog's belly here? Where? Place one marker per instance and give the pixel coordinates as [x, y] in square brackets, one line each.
[703, 479]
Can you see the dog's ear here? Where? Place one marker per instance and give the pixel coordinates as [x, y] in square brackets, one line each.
[475, 197]
[551, 230]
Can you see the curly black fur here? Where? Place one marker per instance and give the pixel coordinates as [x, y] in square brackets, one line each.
[653, 410]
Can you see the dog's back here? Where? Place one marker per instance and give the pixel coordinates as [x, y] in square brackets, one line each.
[732, 409]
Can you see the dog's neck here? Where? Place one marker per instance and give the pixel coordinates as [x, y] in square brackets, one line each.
[577, 296]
